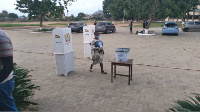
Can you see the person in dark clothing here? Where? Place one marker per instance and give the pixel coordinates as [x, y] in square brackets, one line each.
[131, 24]
[145, 23]
[95, 23]
[7, 83]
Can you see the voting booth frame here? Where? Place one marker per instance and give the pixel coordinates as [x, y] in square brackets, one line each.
[88, 35]
[64, 54]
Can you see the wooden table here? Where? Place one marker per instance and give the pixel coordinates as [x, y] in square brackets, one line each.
[129, 64]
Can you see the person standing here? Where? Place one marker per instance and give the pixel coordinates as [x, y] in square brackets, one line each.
[95, 23]
[131, 25]
[97, 52]
[7, 83]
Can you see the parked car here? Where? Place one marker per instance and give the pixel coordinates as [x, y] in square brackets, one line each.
[105, 27]
[191, 25]
[170, 28]
[77, 26]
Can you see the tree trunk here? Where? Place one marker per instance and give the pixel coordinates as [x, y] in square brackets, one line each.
[187, 15]
[183, 18]
[193, 14]
[41, 20]
[177, 19]
[149, 24]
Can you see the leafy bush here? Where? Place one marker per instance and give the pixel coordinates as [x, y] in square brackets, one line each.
[24, 89]
[192, 105]
[44, 30]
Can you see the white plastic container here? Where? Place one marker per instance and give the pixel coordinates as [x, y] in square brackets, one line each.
[146, 31]
[122, 54]
[62, 39]
[88, 35]
[64, 63]
[87, 50]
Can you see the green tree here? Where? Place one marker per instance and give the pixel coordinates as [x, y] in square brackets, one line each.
[106, 11]
[3, 14]
[180, 8]
[81, 15]
[193, 6]
[117, 9]
[42, 8]
[71, 18]
[12, 15]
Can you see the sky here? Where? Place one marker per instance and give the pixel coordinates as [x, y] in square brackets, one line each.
[85, 6]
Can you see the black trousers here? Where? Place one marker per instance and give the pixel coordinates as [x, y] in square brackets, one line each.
[7, 63]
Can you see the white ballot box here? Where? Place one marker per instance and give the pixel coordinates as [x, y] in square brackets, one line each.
[64, 63]
[88, 35]
[62, 40]
[87, 50]
[64, 54]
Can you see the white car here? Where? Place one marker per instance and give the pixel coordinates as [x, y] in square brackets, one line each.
[191, 25]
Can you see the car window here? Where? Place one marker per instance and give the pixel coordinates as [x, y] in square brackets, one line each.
[197, 23]
[191, 23]
[72, 23]
[109, 24]
[101, 23]
[81, 23]
[170, 24]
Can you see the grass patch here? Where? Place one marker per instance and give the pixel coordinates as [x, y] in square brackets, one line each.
[59, 24]
[153, 25]
[44, 30]
[17, 25]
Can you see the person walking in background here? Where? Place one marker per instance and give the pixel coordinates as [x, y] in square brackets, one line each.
[95, 23]
[131, 24]
[7, 83]
[97, 52]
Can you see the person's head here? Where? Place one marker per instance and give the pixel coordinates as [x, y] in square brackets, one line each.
[96, 34]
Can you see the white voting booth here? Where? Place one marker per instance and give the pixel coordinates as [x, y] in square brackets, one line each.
[88, 35]
[64, 54]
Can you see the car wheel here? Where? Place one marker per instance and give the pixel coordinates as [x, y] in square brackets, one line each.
[80, 30]
[114, 31]
[107, 31]
[186, 30]
[163, 34]
[177, 34]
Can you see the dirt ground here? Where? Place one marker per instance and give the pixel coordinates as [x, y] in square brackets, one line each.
[165, 68]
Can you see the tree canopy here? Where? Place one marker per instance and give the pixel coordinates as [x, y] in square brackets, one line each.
[39, 9]
[149, 9]
[12, 15]
[106, 11]
[81, 15]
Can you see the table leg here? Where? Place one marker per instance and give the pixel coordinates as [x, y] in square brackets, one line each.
[111, 73]
[115, 71]
[129, 75]
[131, 71]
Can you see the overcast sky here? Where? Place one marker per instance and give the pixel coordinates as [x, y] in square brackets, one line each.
[85, 6]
